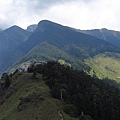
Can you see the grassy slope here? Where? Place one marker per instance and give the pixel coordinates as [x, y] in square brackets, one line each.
[105, 65]
[30, 99]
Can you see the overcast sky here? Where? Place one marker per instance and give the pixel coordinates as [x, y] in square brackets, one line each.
[80, 14]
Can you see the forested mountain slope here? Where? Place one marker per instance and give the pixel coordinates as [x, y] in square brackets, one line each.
[81, 92]
[67, 39]
[51, 41]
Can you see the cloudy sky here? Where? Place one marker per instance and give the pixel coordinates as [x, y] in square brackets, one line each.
[80, 14]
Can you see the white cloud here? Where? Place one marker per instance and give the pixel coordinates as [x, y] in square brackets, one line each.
[81, 14]
[87, 15]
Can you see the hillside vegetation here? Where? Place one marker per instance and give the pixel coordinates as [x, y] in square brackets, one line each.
[49, 52]
[105, 66]
[29, 98]
[80, 92]
[52, 91]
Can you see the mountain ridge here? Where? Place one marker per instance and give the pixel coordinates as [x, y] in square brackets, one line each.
[67, 41]
[110, 36]
[10, 39]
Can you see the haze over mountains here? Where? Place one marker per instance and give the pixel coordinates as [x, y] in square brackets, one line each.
[51, 41]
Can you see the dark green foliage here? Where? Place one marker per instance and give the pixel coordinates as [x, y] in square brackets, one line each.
[7, 82]
[89, 95]
[88, 117]
[34, 75]
[71, 110]
[82, 117]
[5, 78]
[12, 74]
[85, 117]
[111, 83]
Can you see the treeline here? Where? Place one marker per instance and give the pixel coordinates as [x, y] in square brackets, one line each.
[5, 81]
[81, 93]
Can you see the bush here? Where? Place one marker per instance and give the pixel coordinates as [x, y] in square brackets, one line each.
[71, 110]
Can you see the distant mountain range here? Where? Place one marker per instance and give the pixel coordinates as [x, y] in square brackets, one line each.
[10, 39]
[110, 36]
[51, 41]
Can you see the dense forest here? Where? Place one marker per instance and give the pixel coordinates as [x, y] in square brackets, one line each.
[81, 93]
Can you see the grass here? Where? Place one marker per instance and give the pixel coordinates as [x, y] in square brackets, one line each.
[105, 66]
[30, 99]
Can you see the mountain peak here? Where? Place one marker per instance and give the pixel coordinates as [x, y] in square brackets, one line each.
[104, 29]
[46, 22]
[14, 28]
[42, 25]
[32, 27]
